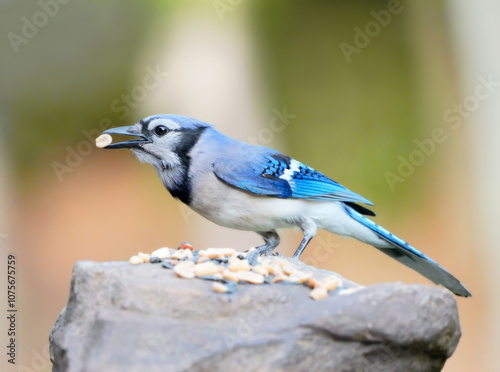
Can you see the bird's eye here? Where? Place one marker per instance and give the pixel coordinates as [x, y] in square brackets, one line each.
[161, 130]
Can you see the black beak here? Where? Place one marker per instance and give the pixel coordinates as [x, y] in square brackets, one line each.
[127, 131]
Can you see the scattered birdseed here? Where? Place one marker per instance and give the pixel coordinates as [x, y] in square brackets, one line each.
[166, 264]
[184, 270]
[268, 267]
[318, 293]
[330, 283]
[162, 253]
[155, 259]
[103, 140]
[217, 252]
[227, 287]
[219, 287]
[235, 264]
[259, 269]
[182, 254]
[250, 277]
[186, 245]
[202, 259]
[196, 255]
[281, 262]
[205, 269]
[136, 260]
[311, 283]
[219, 276]
[267, 279]
[145, 256]
[288, 270]
[226, 268]
[230, 275]
[277, 270]
[278, 278]
[297, 278]
[170, 262]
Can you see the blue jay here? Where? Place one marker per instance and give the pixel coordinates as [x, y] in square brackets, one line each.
[255, 188]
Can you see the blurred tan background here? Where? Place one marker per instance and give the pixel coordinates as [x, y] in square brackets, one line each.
[397, 100]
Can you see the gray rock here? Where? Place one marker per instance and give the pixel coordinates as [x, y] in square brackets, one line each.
[122, 318]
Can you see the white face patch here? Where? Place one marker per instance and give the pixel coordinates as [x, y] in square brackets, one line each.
[144, 157]
[288, 174]
[161, 152]
[171, 125]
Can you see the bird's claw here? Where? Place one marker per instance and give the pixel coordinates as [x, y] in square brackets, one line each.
[270, 253]
[252, 257]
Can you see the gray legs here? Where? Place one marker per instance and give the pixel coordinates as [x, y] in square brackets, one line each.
[271, 238]
[309, 230]
[302, 246]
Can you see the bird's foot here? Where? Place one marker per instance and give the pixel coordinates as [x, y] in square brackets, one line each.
[265, 250]
[271, 254]
[252, 257]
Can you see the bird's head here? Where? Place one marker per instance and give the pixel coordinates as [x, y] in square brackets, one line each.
[161, 140]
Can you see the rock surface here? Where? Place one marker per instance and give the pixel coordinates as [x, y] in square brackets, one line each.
[124, 318]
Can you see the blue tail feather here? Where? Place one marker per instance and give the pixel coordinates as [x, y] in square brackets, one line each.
[411, 257]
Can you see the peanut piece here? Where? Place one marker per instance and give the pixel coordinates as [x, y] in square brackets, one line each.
[230, 275]
[219, 287]
[145, 256]
[250, 277]
[235, 264]
[103, 140]
[260, 269]
[205, 269]
[330, 283]
[162, 253]
[136, 260]
[183, 270]
[318, 293]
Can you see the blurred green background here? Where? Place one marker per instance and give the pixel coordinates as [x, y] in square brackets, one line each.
[360, 81]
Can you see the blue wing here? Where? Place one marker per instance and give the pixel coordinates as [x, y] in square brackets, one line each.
[276, 175]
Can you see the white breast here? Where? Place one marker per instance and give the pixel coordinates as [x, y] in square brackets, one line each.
[231, 207]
